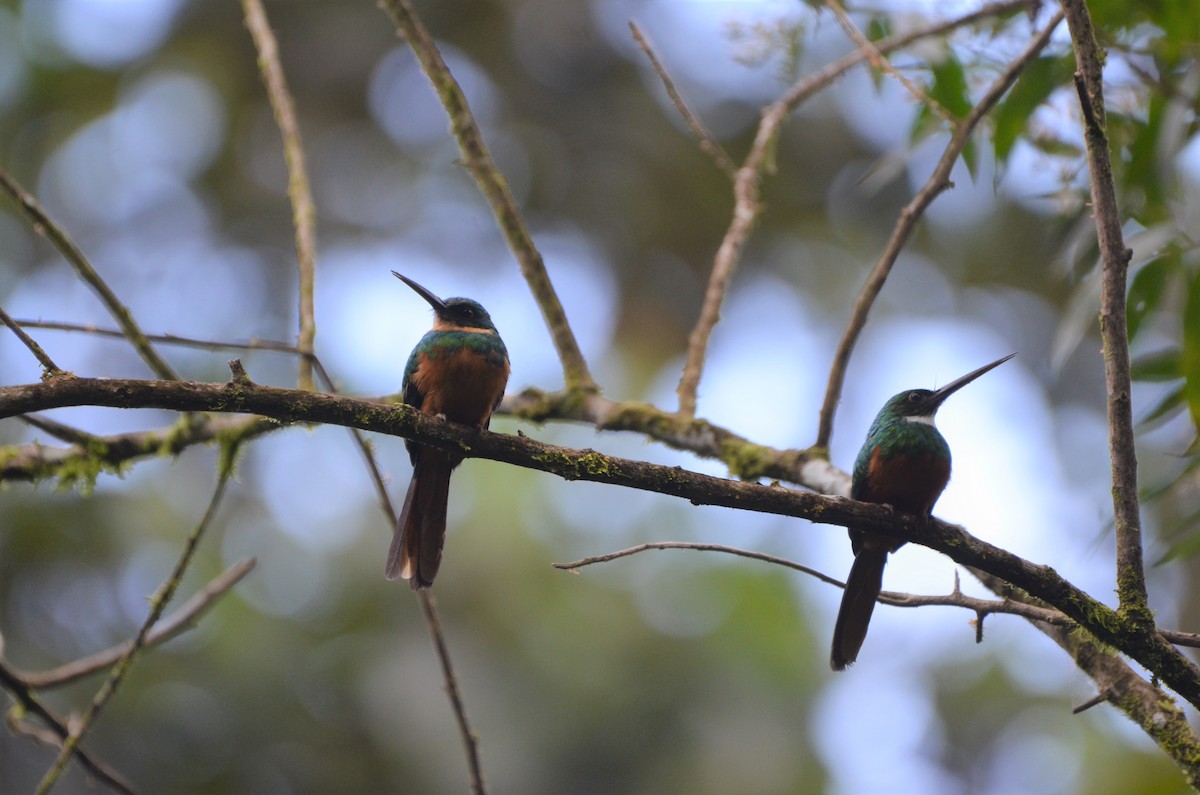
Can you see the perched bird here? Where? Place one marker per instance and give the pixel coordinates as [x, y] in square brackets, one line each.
[905, 463]
[457, 372]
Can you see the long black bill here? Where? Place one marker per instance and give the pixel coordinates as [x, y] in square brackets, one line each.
[949, 389]
[438, 304]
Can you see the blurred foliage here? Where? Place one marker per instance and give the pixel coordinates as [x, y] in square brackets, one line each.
[667, 673]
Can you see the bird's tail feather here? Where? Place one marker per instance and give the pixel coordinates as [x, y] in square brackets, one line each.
[416, 550]
[862, 588]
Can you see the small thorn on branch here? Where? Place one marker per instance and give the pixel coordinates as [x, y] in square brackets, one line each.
[1085, 104]
[1099, 698]
[239, 372]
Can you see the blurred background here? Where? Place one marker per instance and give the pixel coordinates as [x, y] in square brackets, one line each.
[143, 127]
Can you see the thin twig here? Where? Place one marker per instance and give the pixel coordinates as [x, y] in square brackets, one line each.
[51, 369]
[938, 182]
[44, 225]
[1114, 256]
[879, 61]
[746, 184]
[30, 703]
[158, 604]
[956, 598]
[495, 189]
[172, 626]
[708, 144]
[60, 430]
[469, 738]
[253, 344]
[299, 193]
[699, 547]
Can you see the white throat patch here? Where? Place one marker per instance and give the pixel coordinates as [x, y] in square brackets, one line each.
[923, 420]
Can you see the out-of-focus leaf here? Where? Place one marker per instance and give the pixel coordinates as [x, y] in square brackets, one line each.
[1146, 290]
[1056, 146]
[1167, 407]
[1034, 86]
[880, 27]
[1158, 366]
[1189, 359]
[1186, 547]
[970, 155]
[1144, 174]
[948, 89]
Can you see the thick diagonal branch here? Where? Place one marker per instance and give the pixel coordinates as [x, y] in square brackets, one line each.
[1140, 642]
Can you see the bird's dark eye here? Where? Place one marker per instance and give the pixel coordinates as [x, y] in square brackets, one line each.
[913, 397]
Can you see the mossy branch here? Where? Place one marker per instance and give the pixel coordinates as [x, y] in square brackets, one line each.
[1143, 644]
[1114, 330]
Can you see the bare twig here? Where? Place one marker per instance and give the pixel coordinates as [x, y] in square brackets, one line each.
[495, 189]
[303, 210]
[157, 605]
[699, 547]
[44, 225]
[60, 430]
[1115, 256]
[938, 181]
[746, 209]
[956, 598]
[174, 625]
[253, 344]
[469, 738]
[879, 61]
[33, 705]
[704, 138]
[51, 369]
[747, 179]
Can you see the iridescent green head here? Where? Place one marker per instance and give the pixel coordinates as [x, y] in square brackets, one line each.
[921, 404]
[453, 313]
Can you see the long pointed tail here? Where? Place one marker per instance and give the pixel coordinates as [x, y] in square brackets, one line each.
[862, 587]
[416, 550]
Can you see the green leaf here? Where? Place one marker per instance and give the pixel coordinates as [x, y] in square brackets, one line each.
[1171, 403]
[880, 27]
[1159, 366]
[1034, 86]
[1146, 290]
[949, 89]
[1189, 359]
[1184, 548]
